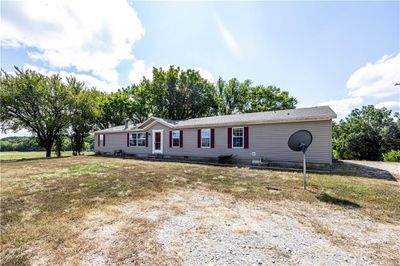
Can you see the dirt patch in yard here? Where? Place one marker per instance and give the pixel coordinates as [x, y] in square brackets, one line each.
[197, 227]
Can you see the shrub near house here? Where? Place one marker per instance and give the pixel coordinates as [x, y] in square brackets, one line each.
[392, 156]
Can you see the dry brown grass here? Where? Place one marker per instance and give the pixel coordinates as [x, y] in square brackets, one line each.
[43, 202]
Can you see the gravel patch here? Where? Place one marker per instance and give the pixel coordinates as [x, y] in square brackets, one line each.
[390, 167]
[210, 233]
[201, 227]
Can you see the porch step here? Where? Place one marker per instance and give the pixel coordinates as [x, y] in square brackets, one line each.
[155, 156]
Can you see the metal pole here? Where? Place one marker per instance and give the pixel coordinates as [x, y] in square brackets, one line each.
[304, 171]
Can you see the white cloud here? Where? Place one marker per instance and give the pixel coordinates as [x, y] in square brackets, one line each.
[376, 79]
[92, 36]
[89, 80]
[205, 74]
[392, 105]
[139, 70]
[344, 106]
[228, 38]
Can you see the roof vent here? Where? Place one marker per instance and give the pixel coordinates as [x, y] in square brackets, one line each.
[126, 123]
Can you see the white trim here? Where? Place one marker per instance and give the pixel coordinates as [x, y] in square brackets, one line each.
[172, 139]
[101, 140]
[155, 121]
[201, 138]
[147, 120]
[153, 141]
[242, 147]
[137, 139]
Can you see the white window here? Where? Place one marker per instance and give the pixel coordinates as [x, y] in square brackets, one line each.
[141, 139]
[133, 140]
[237, 137]
[137, 140]
[205, 138]
[176, 138]
[101, 140]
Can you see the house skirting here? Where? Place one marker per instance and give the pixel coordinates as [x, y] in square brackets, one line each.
[262, 164]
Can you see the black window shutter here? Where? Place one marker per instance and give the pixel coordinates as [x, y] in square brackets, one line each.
[246, 137]
[199, 138]
[170, 138]
[229, 138]
[212, 138]
[181, 138]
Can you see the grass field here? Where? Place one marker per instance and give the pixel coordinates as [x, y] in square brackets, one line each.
[44, 203]
[16, 155]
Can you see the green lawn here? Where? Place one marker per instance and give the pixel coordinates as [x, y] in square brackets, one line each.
[17, 155]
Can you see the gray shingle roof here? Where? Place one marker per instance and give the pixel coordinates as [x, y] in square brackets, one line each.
[299, 114]
[283, 116]
[117, 129]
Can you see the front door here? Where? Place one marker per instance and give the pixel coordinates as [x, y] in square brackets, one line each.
[157, 141]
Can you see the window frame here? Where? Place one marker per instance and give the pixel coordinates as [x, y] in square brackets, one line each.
[233, 136]
[179, 139]
[209, 138]
[137, 139]
[101, 140]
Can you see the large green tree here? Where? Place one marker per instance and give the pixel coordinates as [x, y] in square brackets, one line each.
[365, 134]
[232, 96]
[59, 109]
[239, 97]
[195, 97]
[141, 101]
[114, 108]
[181, 94]
[391, 135]
[35, 102]
[84, 111]
[269, 98]
[172, 94]
[178, 94]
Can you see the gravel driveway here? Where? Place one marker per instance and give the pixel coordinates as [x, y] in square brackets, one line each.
[199, 227]
[393, 168]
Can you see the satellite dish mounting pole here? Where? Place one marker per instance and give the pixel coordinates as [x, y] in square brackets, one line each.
[304, 171]
[300, 141]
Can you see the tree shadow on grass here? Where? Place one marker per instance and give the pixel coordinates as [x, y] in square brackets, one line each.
[337, 201]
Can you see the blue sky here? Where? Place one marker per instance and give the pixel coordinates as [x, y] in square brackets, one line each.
[345, 54]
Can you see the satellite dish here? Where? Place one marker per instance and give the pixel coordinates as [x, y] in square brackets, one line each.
[300, 141]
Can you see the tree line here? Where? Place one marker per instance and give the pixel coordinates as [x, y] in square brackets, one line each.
[58, 112]
[54, 110]
[368, 133]
[26, 143]
[182, 94]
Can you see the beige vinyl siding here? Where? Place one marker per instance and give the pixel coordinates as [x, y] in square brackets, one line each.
[268, 141]
[117, 141]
